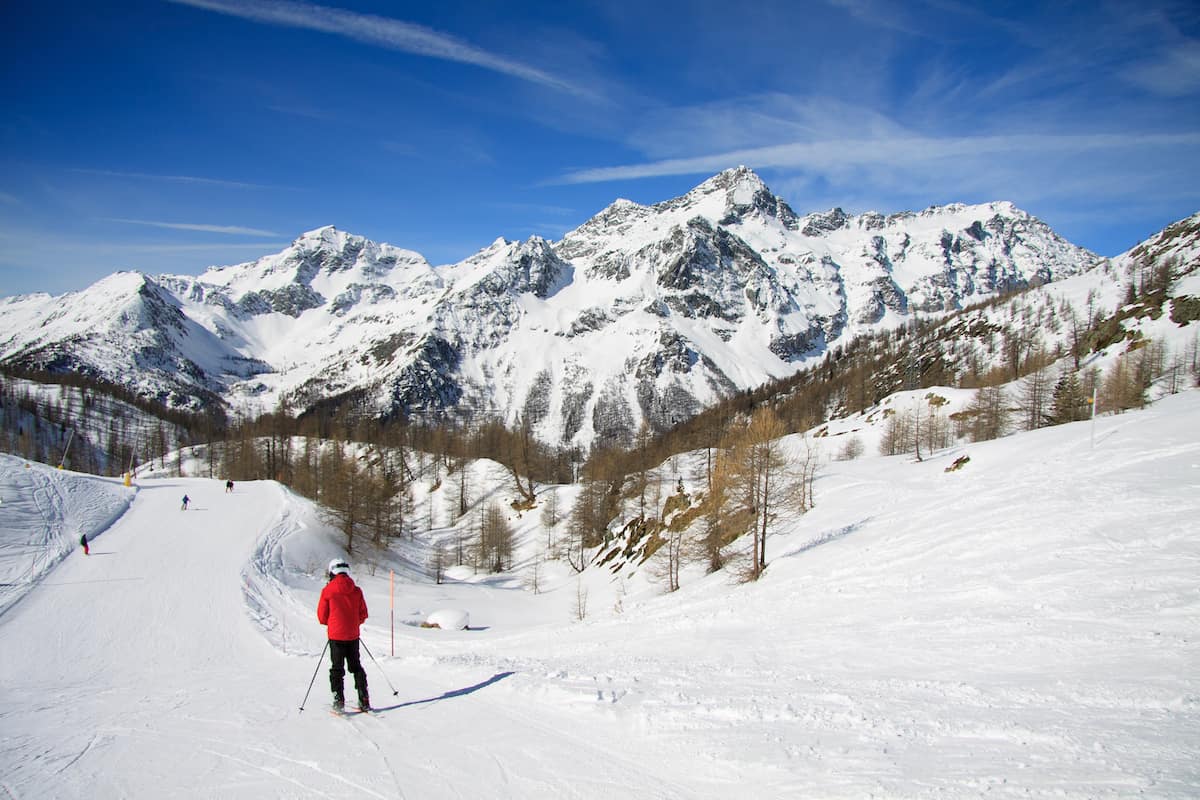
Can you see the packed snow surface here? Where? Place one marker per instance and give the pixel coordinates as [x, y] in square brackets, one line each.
[1024, 626]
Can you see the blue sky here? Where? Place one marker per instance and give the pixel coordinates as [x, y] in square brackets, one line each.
[168, 136]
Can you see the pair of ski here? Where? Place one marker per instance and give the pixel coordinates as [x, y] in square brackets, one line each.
[350, 712]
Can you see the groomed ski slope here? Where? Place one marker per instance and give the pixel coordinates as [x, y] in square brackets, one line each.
[1026, 626]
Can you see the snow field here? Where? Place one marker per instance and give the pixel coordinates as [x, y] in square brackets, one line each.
[1022, 627]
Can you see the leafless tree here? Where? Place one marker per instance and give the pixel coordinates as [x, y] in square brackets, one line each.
[534, 576]
[549, 517]
[495, 539]
[343, 499]
[759, 475]
[897, 435]
[805, 468]
[1123, 385]
[986, 416]
[671, 552]
[1035, 399]
[438, 562]
[851, 449]
[937, 426]
[463, 497]
[581, 601]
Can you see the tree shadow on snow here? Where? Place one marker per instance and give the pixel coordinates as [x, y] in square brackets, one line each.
[825, 538]
[499, 676]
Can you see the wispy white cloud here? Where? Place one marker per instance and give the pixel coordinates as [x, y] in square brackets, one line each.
[304, 112]
[262, 248]
[1098, 177]
[881, 15]
[78, 260]
[382, 32]
[234, 230]
[913, 151]
[1175, 72]
[748, 122]
[535, 208]
[9, 199]
[173, 178]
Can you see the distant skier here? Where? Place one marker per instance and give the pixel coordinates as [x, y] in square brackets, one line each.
[83, 542]
[186, 500]
[343, 609]
[228, 487]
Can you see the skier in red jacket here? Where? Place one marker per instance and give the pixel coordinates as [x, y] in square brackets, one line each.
[343, 609]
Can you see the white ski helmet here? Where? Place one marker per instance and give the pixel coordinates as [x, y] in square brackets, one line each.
[338, 566]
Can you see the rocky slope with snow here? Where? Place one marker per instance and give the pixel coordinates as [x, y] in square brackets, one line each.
[643, 313]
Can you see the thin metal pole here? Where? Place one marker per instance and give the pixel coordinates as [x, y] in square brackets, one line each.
[1093, 417]
[67, 449]
[395, 691]
[314, 677]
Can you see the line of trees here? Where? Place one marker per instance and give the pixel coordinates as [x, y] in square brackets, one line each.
[360, 467]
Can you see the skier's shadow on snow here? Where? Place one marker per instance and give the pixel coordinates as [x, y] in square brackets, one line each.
[499, 676]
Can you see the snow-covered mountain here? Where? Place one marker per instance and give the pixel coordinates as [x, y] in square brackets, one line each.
[643, 313]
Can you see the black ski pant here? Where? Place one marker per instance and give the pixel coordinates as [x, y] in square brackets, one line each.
[343, 656]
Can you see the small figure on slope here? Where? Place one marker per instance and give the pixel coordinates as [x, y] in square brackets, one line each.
[342, 609]
[228, 487]
[83, 542]
[186, 500]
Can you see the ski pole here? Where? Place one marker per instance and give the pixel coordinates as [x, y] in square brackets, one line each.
[395, 691]
[314, 677]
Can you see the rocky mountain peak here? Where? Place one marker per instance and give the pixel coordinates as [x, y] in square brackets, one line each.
[736, 179]
[514, 268]
[731, 197]
[331, 253]
[1178, 243]
[326, 239]
[822, 223]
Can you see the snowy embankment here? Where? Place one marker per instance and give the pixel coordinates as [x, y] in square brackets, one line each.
[1023, 626]
[43, 515]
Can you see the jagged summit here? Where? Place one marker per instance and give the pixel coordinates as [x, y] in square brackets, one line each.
[729, 197]
[821, 223]
[323, 233]
[740, 179]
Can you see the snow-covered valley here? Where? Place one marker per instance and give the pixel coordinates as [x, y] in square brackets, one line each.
[1025, 626]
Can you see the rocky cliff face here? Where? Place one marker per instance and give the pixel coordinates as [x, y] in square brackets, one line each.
[643, 314]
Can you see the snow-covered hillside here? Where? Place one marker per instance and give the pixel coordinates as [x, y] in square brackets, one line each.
[643, 313]
[1024, 626]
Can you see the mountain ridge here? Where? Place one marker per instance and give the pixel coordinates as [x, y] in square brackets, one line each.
[641, 314]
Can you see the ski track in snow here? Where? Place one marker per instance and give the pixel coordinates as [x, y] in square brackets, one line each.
[1024, 627]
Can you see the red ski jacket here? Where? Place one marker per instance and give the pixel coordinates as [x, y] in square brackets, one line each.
[342, 608]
